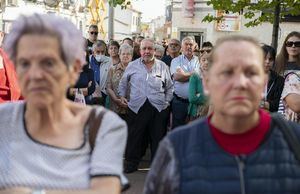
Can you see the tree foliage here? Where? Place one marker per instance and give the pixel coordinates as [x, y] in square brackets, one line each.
[249, 8]
[122, 3]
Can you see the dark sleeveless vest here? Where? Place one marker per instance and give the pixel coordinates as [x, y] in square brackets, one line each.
[205, 168]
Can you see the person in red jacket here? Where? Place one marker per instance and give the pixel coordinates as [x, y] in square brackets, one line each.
[9, 87]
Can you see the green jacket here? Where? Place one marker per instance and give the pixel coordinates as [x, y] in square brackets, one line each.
[196, 94]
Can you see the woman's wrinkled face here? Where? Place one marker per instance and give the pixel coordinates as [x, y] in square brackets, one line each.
[236, 80]
[125, 56]
[269, 62]
[292, 50]
[42, 73]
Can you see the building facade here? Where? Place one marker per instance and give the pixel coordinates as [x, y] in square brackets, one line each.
[127, 22]
[12, 9]
[81, 12]
[187, 16]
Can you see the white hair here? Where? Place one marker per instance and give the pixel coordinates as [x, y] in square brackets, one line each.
[70, 39]
[148, 40]
[126, 47]
[188, 38]
[159, 48]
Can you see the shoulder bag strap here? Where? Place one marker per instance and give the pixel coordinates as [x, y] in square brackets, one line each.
[94, 124]
[290, 73]
[288, 133]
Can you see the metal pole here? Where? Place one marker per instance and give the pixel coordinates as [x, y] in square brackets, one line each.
[110, 23]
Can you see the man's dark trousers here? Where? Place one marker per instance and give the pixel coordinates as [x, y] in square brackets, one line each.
[179, 112]
[148, 121]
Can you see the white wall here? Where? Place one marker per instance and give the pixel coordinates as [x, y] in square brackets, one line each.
[123, 23]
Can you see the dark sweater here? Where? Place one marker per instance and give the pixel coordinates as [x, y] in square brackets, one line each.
[275, 87]
[85, 77]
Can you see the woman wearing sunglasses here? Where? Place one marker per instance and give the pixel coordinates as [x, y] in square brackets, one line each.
[206, 48]
[288, 64]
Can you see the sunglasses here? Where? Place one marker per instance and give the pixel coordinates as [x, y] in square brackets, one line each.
[92, 33]
[173, 45]
[290, 44]
[208, 51]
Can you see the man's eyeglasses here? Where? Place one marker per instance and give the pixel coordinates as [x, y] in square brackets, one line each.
[92, 33]
[205, 50]
[291, 43]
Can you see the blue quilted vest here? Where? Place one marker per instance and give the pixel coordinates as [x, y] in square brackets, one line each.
[205, 168]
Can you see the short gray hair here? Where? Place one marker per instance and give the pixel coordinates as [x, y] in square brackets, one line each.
[159, 48]
[127, 47]
[187, 38]
[99, 43]
[149, 40]
[70, 39]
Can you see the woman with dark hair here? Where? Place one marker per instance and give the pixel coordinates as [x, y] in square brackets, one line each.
[288, 58]
[288, 64]
[206, 48]
[274, 88]
[113, 51]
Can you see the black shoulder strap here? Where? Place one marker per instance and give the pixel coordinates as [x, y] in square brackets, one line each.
[288, 133]
[94, 124]
[290, 73]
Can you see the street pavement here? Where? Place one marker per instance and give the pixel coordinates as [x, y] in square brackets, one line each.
[137, 178]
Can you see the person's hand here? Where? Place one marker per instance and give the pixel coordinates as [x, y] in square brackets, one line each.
[121, 102]
[118, 102]
[123, 105]
[124, 102]
[16, 190]
[180, 71]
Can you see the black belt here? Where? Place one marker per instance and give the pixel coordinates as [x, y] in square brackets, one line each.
[181, 99]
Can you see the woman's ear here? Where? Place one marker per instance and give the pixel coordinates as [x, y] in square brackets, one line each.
[74, 71]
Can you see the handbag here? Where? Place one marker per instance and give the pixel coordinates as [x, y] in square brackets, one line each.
[79, 97]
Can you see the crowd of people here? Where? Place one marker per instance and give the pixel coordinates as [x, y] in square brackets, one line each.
[203, 110]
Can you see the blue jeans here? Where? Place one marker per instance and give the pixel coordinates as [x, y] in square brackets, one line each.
[179, 112]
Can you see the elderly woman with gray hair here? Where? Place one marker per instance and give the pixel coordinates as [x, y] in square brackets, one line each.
[159, 51]
[49, 144]
[114, 76]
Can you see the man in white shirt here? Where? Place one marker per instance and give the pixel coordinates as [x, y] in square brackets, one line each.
[182, 67]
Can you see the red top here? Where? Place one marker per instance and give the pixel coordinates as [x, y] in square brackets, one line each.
[244, 143]
[4, 87]
[8, 78]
